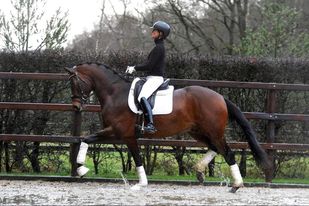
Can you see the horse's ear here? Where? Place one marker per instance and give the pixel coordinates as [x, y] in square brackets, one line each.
[69, 70]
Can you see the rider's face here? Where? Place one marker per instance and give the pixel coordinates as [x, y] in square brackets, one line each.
[155, 34]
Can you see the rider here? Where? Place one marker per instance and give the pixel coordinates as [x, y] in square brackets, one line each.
[155, 65]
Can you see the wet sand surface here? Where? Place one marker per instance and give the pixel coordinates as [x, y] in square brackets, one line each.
[72, 193]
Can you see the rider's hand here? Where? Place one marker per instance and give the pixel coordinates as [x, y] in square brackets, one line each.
[130, 69]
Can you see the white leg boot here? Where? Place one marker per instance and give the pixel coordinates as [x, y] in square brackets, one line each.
[82, 170]
[201, 165]
[81, 157]
[143, 182]
[238, 182]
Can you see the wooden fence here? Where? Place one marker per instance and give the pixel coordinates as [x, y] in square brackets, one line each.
[271, 115]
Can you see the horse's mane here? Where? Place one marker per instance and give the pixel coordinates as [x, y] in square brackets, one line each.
[124, 77]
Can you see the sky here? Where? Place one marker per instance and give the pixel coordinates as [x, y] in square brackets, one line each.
[82, 14]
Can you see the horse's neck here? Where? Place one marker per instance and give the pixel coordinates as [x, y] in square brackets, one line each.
[111, 88]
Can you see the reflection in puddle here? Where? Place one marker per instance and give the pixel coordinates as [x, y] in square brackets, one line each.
[24, 199]
[39, 200]
[47, 197]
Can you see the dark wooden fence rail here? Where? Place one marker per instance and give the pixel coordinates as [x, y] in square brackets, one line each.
[270, 115]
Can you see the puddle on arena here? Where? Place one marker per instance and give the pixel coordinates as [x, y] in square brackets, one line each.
[39, 199]
[225, 180]
[212, 201]
[24, 199]
[174, 198]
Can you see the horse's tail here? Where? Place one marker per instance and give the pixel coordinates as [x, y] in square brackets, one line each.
[259, 153]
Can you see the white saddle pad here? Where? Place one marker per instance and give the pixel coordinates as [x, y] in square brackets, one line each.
[163, 102]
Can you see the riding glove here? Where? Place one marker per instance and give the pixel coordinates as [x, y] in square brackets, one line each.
[130, 69]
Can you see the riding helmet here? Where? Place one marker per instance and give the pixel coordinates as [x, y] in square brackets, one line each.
[163, 27]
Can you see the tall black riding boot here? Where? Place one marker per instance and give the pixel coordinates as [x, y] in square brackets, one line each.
[148, 114]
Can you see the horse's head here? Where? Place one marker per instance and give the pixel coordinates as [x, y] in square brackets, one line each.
[80, 87]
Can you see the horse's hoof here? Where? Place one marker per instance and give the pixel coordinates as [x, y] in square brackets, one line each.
[82, 170]
[200, 177]
[138, 186]
[235, 188]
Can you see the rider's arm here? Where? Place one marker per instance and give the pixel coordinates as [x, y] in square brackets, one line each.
[153, 58]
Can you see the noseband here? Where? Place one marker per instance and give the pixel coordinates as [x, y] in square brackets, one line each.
[82, 96]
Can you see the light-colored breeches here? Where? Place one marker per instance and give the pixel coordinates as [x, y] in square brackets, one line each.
[151, 85]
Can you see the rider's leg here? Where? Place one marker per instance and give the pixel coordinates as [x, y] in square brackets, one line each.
[151, 85]
[148, 114]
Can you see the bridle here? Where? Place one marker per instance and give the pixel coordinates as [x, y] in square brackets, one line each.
[82, 95]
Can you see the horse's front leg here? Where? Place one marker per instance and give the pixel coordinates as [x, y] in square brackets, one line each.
[81, 157]
[135, 152]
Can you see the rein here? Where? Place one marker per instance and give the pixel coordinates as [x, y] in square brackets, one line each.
[79, 81]
[125, 77]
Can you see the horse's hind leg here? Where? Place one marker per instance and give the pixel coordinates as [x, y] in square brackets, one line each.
[229, 157]
[202, 164]
[219, 145]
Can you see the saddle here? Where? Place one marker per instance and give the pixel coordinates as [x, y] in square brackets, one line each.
[161, 100]
[138, 87]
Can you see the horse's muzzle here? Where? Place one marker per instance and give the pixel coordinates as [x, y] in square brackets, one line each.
[77, 105]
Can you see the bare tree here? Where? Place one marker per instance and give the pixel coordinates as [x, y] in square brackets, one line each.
[119, 31]
[21, 30]
[101, 26]
[232, 15]
[199, 27]
[21, 33]
[203, 26]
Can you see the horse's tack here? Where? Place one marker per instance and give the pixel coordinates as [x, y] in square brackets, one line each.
[162, 101]
[84, 96]
[140, 120]
[138, 88]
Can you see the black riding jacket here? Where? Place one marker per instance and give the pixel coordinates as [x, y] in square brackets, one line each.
[155, 63]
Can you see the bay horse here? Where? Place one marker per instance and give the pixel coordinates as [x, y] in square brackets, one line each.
[200, 111]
